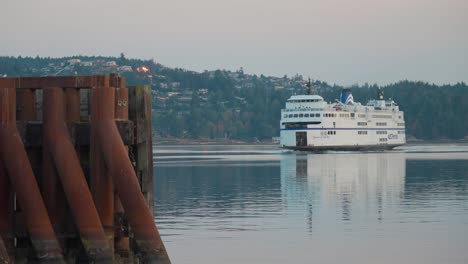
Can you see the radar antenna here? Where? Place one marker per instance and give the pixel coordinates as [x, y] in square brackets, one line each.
[380, 94]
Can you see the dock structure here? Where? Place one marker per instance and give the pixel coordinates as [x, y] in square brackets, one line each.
[76, 172]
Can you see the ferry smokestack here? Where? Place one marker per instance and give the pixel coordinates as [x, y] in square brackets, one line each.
[346, 96]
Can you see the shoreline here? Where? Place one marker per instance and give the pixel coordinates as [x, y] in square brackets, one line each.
[183, 141]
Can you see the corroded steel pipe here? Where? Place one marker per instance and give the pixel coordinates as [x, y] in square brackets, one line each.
[71, 175]
[73, 104]
[15, 160]
[126, 183]
[53, 195]
[122, 246]
[101, 183]
[6, 226]
[26, 104]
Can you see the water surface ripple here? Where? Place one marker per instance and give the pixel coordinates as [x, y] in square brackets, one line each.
[261, 204]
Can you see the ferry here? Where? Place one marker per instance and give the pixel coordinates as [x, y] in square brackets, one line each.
[309, 123]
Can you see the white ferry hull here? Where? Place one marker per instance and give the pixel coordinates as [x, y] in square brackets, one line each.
[345, 148]
[341, 139]
[309, 123]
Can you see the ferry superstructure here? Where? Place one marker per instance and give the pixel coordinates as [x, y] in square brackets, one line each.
[309, 123]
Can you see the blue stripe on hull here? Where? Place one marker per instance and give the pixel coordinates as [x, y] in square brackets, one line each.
[333, 128]
[344, 147]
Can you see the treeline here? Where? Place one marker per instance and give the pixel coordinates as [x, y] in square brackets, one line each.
[248, 106]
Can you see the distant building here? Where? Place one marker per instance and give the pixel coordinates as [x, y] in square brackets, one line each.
[279, 87]
[126, 68]
[170, 94]
[74, 61]
[160, 76]
[86, 63]
[163, 85]
[175, 85]
[111, 63]
[185, 99]
[202, 91]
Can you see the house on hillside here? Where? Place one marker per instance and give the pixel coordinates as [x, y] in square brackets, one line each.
[111, 63]
[74, 61]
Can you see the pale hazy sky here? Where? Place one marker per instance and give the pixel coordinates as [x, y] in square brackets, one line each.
[339, 41]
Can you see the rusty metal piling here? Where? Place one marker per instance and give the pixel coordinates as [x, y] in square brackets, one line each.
[91, 206]
[126, 182]
[21, 176]
[72, 177]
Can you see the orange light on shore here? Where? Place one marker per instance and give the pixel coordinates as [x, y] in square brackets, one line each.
[142, 69]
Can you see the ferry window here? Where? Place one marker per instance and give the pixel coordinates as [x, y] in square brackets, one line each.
[352, 114]
[317, 115]
[285, 115]
[301, 115]
[290, 115]
[306, 115]
[296, 115]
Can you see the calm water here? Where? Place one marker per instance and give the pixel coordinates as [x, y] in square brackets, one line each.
[260, 204]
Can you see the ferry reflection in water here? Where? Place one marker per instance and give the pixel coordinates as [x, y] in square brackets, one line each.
[274, 207]
[364, 183]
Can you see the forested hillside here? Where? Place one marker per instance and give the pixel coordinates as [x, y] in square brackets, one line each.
[226, 104]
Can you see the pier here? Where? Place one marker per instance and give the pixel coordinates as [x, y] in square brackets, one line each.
[76, 172]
